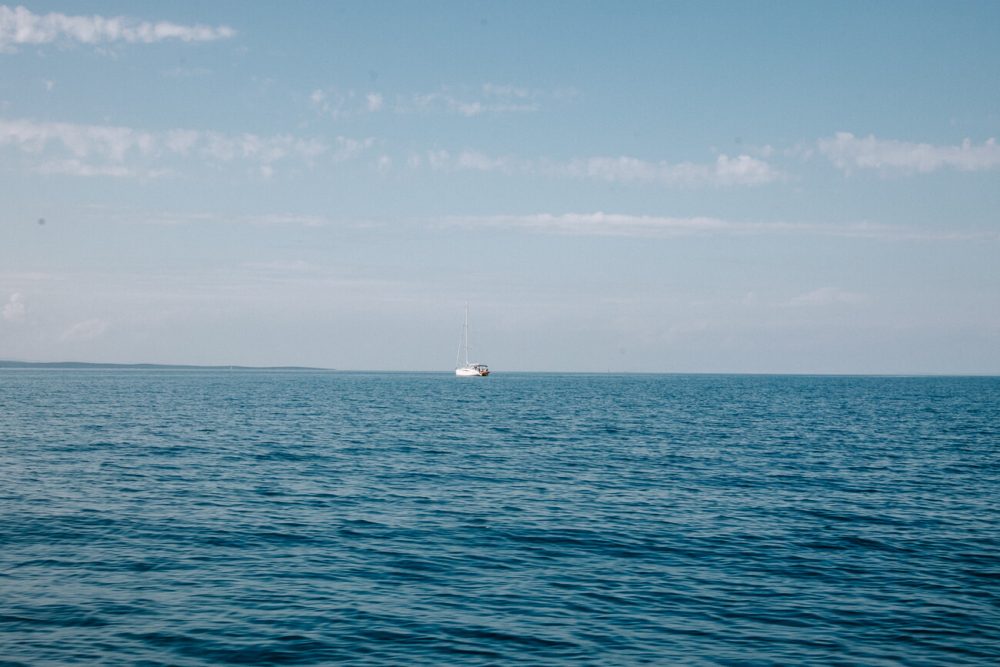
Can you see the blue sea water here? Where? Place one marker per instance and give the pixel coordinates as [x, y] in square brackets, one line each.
[214, 517]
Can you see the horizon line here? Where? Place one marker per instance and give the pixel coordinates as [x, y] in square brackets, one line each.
[12, 364]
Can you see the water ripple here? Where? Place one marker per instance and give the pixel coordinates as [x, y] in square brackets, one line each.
[197, 518]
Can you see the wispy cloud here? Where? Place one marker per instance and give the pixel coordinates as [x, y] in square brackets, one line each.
[467, 101]
[74, 167]
[597, 223]
[85, 330]
[849, 152]
[374, 102]
[20, 26]
[186, 72]
[109, 142]
[105, 150]
[14, 310]
[612, 224]
[826, 296]
[738, 170]
[488, 98]
[467, 160]
[130, 216]
[724, 171]
[284, 266]
[340, 104]
[223, 147]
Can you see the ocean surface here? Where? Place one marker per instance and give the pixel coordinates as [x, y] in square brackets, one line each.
[248, 517]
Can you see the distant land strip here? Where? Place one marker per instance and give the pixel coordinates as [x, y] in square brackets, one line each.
[82, 365]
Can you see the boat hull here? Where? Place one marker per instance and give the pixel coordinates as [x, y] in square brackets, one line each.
[472, 371]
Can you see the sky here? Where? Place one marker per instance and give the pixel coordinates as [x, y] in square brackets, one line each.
[749, 187]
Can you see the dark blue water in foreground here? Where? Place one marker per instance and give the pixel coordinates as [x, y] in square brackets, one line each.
[192, 518]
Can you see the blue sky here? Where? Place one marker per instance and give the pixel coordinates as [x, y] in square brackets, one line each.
[689, 187]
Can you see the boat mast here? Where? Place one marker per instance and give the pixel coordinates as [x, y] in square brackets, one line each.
[466, 333]
[463, 341]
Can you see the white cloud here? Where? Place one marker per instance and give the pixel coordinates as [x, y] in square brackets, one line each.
[725, 171]
[466, 101]
[20, 26]
[348, 148]
[103, 150]
[849, 152]
[442, 160]
[80, 140]
[599, 223]
[85, 330]
[224, 148]
[144, 217]
[480, 162]
[14, 310]
[74, 167]
[340, 104]
[181, 141]
[596, 223]
[739, 170]
[742, 170]
[614, 224]
[283, 219]
[506, 91]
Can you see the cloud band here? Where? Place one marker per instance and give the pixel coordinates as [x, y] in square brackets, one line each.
[20, 26]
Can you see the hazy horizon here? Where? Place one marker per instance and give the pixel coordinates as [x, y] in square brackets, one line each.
[655, 187]
[101, 365]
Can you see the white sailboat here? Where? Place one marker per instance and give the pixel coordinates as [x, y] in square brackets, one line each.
[468, 369]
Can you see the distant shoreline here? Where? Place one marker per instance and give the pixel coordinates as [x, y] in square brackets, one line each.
[83, 365]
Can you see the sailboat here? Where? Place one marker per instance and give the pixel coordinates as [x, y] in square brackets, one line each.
[468, 369]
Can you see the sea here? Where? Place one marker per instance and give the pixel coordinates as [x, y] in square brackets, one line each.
[208, 517]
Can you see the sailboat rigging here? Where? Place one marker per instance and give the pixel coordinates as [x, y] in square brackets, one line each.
[468, 369]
